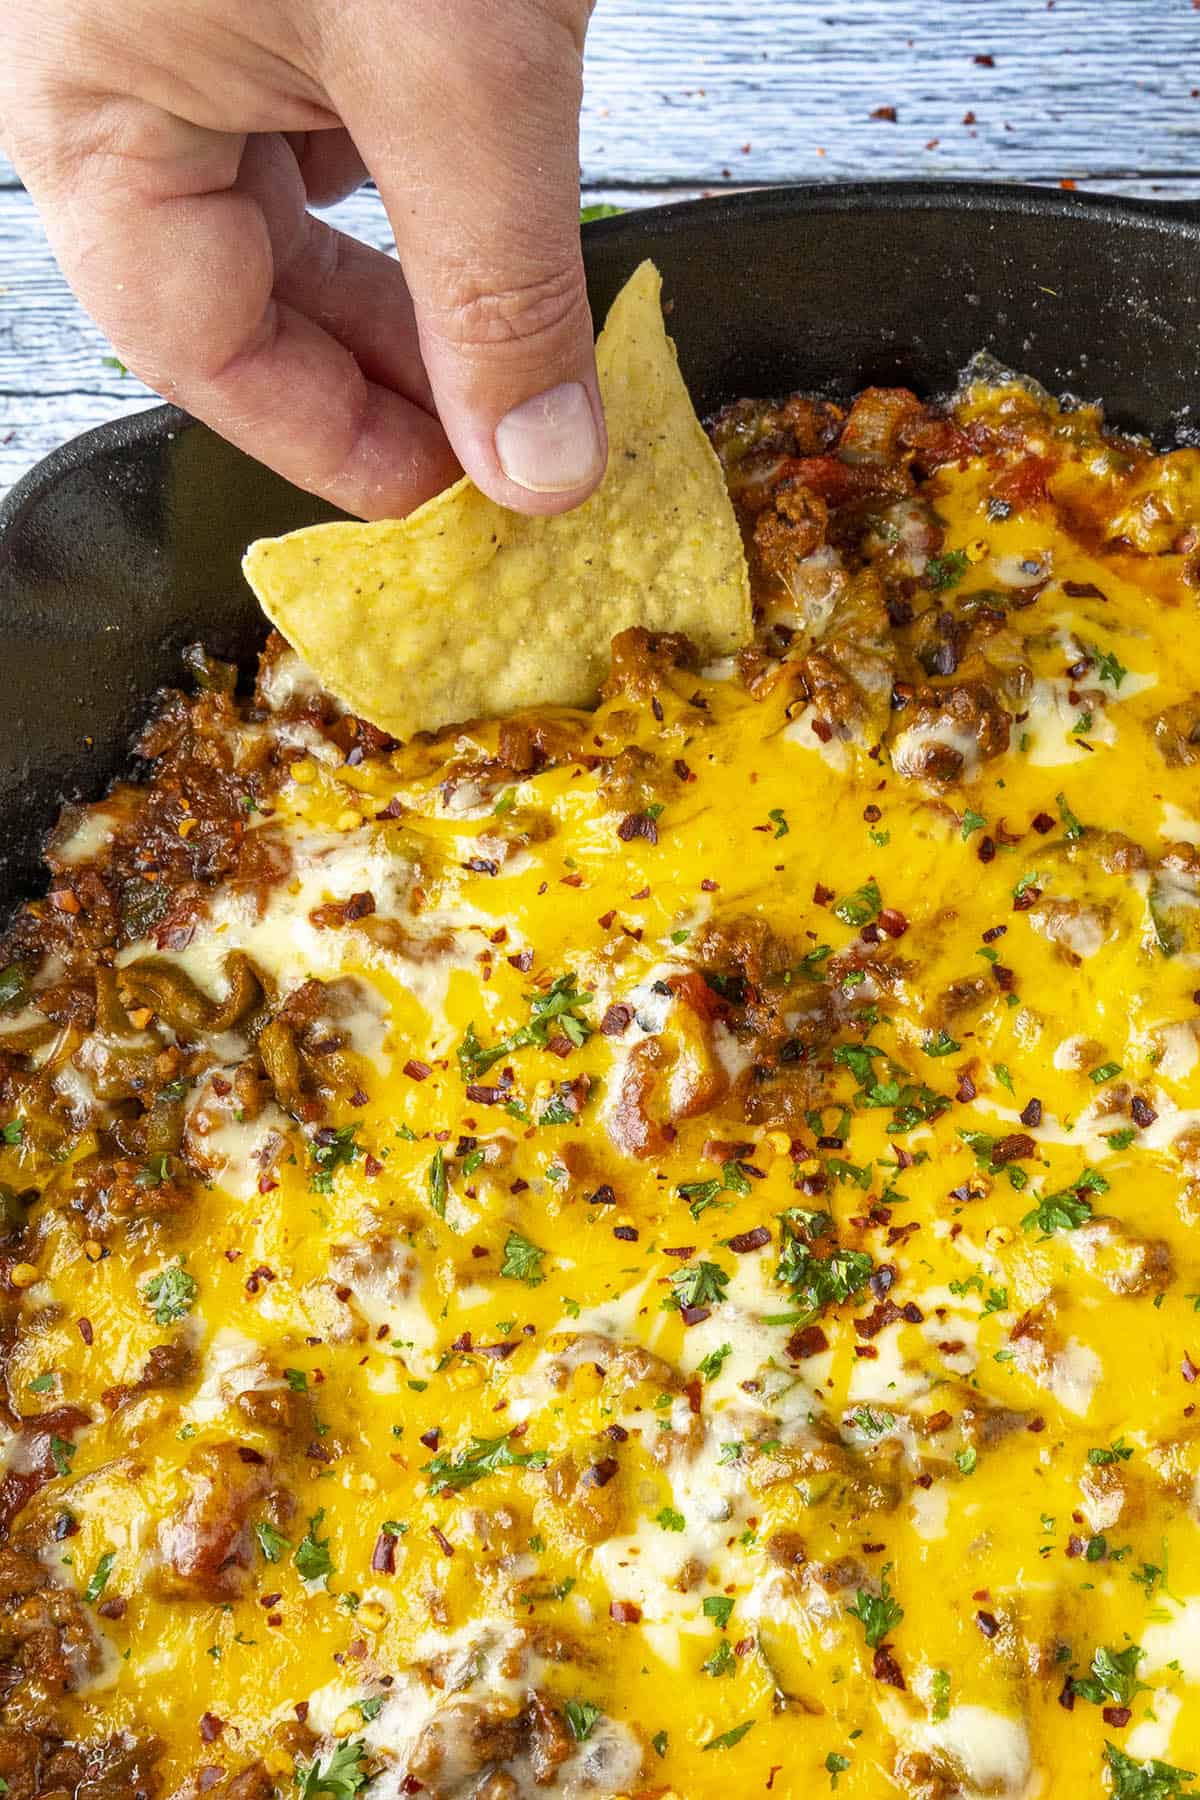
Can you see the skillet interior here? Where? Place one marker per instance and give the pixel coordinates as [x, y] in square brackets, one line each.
[126, 543]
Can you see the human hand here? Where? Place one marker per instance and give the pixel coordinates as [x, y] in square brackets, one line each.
[173, 147]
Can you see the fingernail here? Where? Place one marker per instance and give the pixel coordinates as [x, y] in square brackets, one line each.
[550, 444]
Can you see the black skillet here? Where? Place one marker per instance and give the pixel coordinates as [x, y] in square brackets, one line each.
[126, 543]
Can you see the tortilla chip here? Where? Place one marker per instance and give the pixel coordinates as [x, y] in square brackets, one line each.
[466, 610]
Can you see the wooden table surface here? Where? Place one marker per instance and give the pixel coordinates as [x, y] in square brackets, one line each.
[689, 96]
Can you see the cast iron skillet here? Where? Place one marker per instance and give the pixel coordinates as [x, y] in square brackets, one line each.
[126, 543]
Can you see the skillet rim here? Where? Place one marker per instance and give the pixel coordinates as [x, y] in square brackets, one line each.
[1174, 218]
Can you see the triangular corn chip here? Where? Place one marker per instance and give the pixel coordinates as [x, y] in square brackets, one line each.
[465, 610]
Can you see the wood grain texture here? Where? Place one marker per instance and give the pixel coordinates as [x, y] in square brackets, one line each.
[687, 96]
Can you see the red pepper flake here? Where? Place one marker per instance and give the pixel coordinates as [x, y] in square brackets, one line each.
[966, 1089]
[1075, 1545]
[886, 1668]
[442, 1541]
[617, 1018]
[893, 922]
[575, 880]
[1188, 1369]
[988, 1623]
[984, 62]
[682, 770]
[521, 961]
[417, 1071]
[809, 1340]
[606, 919]
[1066, 1698]
[708, 885]
[1014, 1147]
[822, 895]
[872, 814]
[746, 1241]
[383, 1556]
[656, 707]
[371, 1166]
[682, 1251]
[210, 1728]
[1141, 1112]
[637, 825]
[1031, 1113]
[1042, 823]
[624, 1612]
[1026, 898]
[695, 1315]
[85, 1330]
[1118, 1716]
[1003, 977]
[600, 1473]
[993, 932]
[628, 1234]
[1036, 1424]
[257, 1276]
[986, 850]
[500, 1352]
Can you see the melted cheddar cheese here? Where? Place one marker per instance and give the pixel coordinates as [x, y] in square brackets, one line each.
[655, 1251]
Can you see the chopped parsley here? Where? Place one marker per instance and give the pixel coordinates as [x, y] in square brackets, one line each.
[718, 1607]
[1149, 1780]
[99, 1581]
[450, 1474]
[721, 1662]
[728, 1739]
[946, 571]
[337, 1775]
[172, 1294]
[971, 821]
[1116, 1452]
[779, 819]
[1113, 1677]
[522, 1260]
[559, 1006]
[697, 1284]
[582, 1717]
[669, 1519]
[711, 1365]
[1072, 827]
[879, 1613]
[312, 1559]
[861, 906]
[62, 1454]
[834, 1764]
[271, 1542]
[330, 1150]
[435, 1181]
[1064, 1211]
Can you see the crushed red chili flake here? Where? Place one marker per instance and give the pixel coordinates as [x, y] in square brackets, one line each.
[993, 932]
[1141, 1112]
[1066, 1698]
[600, 1473]
[986, 849]
[606, 919]
[1117, 1716]
[604, 1195]
[988, 1623]
[522, 961]
[371, 1166]
[624, 1612]
[1031, 1113]
[885, 1667]
[966, 1090]
[708, 886]
[417, 1071]
[682, 770]
[695, 1315]
[441, 1540]
[211, 1727]
[822, 895]
[1042, 823]
[1003, 977]
[745, 1241]
[383, 1556]
[85, 1330]
[1015, 1146]
[617, 1018]
[893, 922]
[638, 825]
[808, 1340]
[628, 1234]
[1188, 1369]
[1026, 898]
[617, 1433]
[682, 1251]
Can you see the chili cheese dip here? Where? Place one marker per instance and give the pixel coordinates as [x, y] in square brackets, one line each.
[645, 1252]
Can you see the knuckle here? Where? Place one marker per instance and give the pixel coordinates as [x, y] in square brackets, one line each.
[479, 315]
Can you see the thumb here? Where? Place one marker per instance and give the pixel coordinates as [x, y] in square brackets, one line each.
[483, 195]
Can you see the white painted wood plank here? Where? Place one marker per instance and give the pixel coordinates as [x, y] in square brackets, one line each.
[676, 89]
